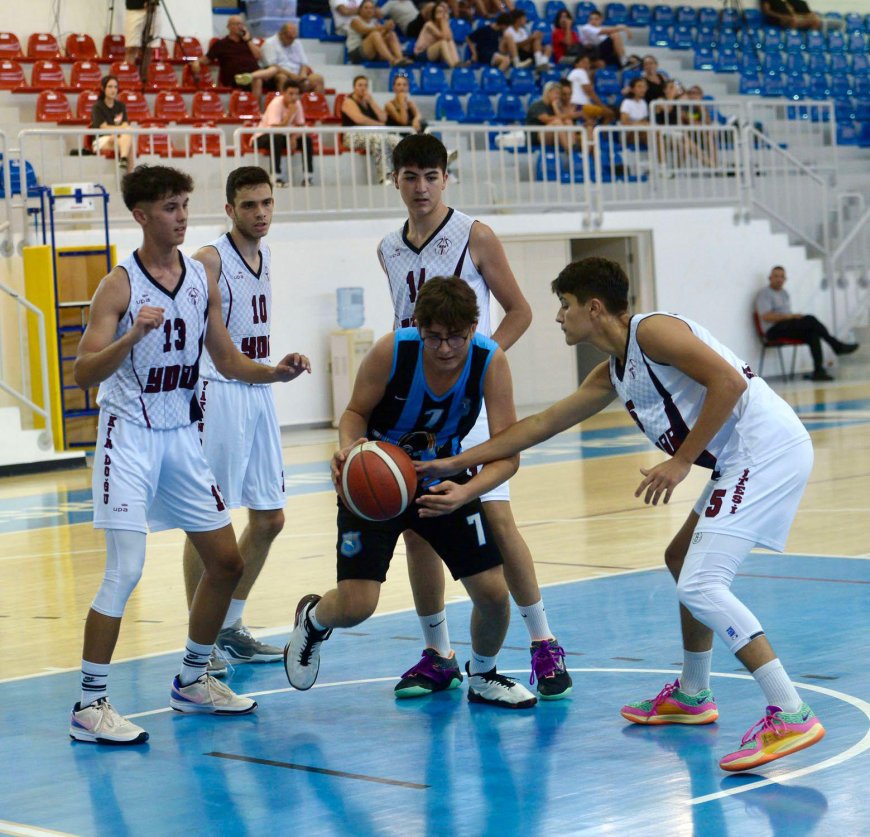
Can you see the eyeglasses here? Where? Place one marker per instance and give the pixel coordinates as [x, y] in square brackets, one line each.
[454, 341]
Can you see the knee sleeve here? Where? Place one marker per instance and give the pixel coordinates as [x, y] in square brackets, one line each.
[704, 588]
[125, 557]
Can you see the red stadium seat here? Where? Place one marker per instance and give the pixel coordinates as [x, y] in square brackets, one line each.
[161, 76]
[127, 74]
[44, 46]
[10, 46]
[52, 107]
[191, 82]
[316, 108]
[137, 106]
[47, 75]
[11, 75]
[778, 343]
[207, 107]
[205, 144]
[159, 51]
[86, 104]
[85, 75]
[244, 106]
[169, 107]
[81, 48]
[114, 48]
[154, 144]
[187, 49]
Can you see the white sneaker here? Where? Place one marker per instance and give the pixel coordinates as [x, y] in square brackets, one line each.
[497, 690]
[302, 651]
[217, 664]
[100, 723]
[207, 695]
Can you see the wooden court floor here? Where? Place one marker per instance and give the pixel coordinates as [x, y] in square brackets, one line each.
[573, 499]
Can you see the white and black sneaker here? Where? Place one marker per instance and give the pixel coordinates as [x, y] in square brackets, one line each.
[302, 651]
[497, 690]
[101, 723]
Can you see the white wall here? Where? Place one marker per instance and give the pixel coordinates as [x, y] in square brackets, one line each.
[191, 17]
[705, 265]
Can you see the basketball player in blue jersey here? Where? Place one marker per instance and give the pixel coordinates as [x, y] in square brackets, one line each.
[422, 388]
[239, 430]
[438, 240]
[699, 403]
[149, 320]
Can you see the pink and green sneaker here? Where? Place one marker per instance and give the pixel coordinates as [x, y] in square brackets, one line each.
[673, 706]
[776, 735]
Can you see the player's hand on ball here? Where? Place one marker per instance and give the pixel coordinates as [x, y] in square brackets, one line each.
[147, 319]
[338, 460]
[435, 468]
[292, 366]
[442, 499]
[662, 479]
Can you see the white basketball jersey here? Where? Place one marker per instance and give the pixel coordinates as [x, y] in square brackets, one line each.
[444, 254]
[665, 404]
[246, 304]
[155, 386]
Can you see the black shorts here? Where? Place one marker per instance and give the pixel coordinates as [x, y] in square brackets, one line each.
[463, 539]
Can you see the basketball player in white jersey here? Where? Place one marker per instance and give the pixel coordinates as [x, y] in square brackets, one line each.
[437, 240]
[239, 430]
[148, 321]
[699, 403]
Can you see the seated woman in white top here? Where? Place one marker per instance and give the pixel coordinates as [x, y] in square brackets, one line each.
[635, 111]
[370, 40]
[435, 41]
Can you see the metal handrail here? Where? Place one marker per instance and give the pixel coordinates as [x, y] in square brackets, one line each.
[46, 438]
[6, 222]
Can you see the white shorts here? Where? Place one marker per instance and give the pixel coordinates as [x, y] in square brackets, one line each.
[241, 441]
[104, 141]
[153, 479]
[134, 23]
[477, 436]
[757, 503]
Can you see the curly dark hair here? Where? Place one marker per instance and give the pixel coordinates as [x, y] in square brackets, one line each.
[146, 184]
[595, 277]
[447, 301]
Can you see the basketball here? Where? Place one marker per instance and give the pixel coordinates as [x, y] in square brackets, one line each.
[378, 480]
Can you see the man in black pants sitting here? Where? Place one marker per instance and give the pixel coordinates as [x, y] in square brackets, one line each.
[773, 306]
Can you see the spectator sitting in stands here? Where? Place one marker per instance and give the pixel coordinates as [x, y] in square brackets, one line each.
[493, 8]
[283, 58]
[408, 17]
[109, 112]
[700, 115]
[461, 10]
[435, 41]
[773, 306]
[235, 54]
[343, 12]
[566, 41]
[545, 111]
[361, 110]
[485, 44]
[368, 40]
[634, 110]
[523, 43]
[283, 111]
[584, 97]
[680, 142]
[790, 14]
[655, 80]
[401, 111]
[605, 42]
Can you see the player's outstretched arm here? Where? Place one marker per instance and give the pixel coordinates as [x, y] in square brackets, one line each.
[593, 395]
[489, 257]
[99, 354]
[669, 340]
[231, 363]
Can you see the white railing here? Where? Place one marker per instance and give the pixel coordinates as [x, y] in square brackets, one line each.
[850, 269]
[19, 394]
[6, 219]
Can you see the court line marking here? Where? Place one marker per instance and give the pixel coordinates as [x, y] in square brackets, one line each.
[20, 830]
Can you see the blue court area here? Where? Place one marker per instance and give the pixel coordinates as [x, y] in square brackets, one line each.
[346, 758]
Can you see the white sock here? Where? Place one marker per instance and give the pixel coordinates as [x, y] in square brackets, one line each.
[480, 664]
[778, 689]
[195, 662]
[234, 614]
[435, 632]
[312, 618]
[540, 58]
[535, 619]
[94, 682]
[696, 671]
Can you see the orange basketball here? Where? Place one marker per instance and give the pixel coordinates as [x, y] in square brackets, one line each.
[378, 480]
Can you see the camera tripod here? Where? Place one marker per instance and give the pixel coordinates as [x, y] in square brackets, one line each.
[148, 36]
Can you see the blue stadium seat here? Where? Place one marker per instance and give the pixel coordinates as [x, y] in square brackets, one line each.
[582, 11]
[551, 169]
[836, 42]
[705, 38]
[31, 184]
[819, 87]
[841, 87]
[862, 87]
[664, 14]
[772, 85]
[853, 21]
[771, 40]
[331, 34]
[639, 15]
[844, 110]
[857, 43]
[492, 80]
[461, 29]
[549, 75]
[685, 14]
[796, 64]
[752, 17]
[839, 64]
[750, 85]
[862, 110]
[479, 108]
[796, 86]
[615, 14]
[815, 41]
[522, 82]
[607, 86]
[704, 59]
[510, 109]
[408, 72]
[682, 37]
[463, 80]
[312, 26]
[772, 63]
[659, 35]
[729, 17]
[861, 65]
[449, 106]
[708, 16]
[817, 62]
[726, 61]
[749, 63]
[433, 79]
[728, 39]
[794, 42]
[545, 29]
[529, 8]
[552, 8]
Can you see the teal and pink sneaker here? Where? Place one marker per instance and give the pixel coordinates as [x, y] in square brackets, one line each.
[776, 735]
[673, 706]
